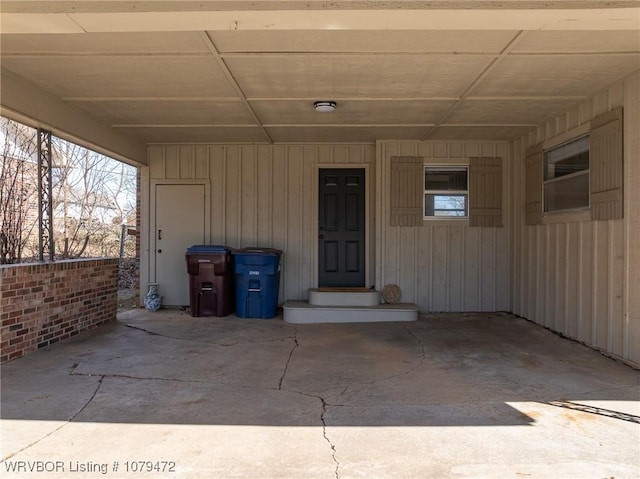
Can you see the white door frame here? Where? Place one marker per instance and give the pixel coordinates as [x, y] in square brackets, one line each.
[147, 242]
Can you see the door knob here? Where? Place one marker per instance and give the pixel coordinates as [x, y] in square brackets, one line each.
[159, 251]
[321, 236]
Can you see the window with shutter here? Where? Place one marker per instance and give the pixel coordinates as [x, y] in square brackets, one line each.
[584, 173]
[470, 192]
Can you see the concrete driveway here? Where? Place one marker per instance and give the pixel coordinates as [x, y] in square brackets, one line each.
[158, 395]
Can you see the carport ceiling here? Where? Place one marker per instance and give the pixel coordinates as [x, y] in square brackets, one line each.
[212, 71]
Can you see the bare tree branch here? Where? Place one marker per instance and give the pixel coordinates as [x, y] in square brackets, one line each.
[92, 196]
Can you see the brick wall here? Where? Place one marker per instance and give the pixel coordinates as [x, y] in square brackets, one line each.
[41, 304]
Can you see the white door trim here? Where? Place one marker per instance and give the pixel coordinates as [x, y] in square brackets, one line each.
[148, 246]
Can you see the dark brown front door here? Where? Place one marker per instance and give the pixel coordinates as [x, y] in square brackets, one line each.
[341, 236]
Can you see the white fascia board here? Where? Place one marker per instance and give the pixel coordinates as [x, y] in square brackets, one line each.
[417, 19]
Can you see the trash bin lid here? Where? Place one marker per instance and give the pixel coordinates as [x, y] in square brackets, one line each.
[208, 248]
[258, 251]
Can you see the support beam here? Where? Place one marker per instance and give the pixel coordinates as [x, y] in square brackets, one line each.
[100, 16]
[45, 197]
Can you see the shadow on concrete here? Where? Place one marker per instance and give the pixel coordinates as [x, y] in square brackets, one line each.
[444, 370]
[467, 395]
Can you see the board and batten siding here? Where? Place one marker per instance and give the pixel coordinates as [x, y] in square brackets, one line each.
[266, 196]
[442, 266]
[574, 275]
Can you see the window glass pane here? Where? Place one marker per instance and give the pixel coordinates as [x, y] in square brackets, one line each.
[567, 159]
[445, 179]
[445, 205]
[567, 194]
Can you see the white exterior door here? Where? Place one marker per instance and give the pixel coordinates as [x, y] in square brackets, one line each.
[179, 223]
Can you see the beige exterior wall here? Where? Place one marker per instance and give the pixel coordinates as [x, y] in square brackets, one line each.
[571, 274]
[577, 276]
[443, 266]
[266, 196]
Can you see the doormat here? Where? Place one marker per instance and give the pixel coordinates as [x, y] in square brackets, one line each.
[345, 290]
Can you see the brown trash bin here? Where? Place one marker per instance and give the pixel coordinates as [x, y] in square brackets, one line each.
[211, 280]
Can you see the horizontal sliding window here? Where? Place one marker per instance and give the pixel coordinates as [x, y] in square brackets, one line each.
[566, 176]
[446, 191]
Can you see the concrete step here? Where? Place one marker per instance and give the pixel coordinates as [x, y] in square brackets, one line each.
[343, 297]
[301, 312]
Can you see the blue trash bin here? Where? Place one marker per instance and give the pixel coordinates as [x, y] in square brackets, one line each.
[257, 273]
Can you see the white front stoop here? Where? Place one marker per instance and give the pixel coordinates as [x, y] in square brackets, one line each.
[346, 305]
[343, 297]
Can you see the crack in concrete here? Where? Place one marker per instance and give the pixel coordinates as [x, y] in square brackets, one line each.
[596, 410]
[423, 358]
[226, 345]
[186, 381]
[142, 378]
[70, 420]
[324, 425]
[75, 365]
[323, 402]
[286, 366]
[95, 393]
[422, 350]
[326, 437]
[137, 378]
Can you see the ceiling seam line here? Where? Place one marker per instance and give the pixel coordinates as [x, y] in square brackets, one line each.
[194, 125]
[235, 99]
[242, 143]
[107, 54]
[527, 98]
[483, 74]
[304, 53]
[225, 69]
[347, 125]
[573, 54]
[70, 17]
[318, 125]
[356, 53]
[352, 98]
[97, 99]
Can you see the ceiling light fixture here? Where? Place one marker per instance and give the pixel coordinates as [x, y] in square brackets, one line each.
[324, 106]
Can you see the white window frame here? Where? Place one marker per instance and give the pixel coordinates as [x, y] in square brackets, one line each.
[445, 167]
[569, 214]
